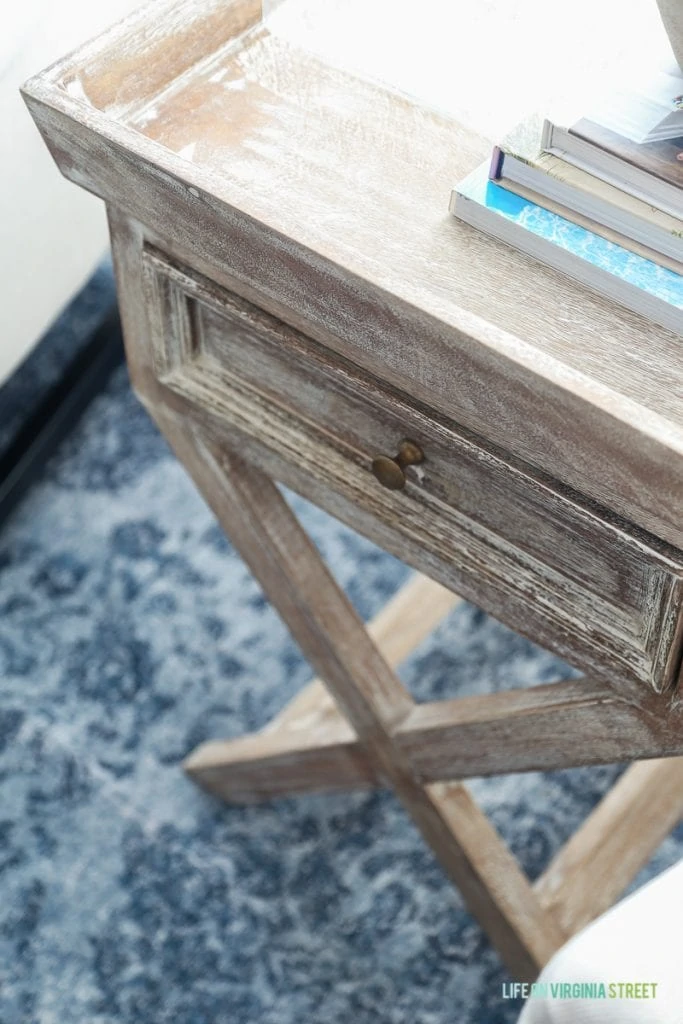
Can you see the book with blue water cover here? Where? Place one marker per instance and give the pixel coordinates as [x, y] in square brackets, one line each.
[604, 266]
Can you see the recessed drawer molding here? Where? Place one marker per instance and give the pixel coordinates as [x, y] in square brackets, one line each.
[593, 589]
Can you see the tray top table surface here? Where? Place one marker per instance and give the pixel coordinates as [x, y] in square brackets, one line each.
[360, 175]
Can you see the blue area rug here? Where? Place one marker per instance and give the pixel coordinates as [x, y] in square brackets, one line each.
[129, 632]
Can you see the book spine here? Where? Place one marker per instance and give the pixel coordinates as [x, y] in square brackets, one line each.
[547, 135]
[496, 167]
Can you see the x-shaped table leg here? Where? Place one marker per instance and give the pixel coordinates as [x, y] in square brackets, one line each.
[264, 530]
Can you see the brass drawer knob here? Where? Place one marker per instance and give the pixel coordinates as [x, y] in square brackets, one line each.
[391, 472]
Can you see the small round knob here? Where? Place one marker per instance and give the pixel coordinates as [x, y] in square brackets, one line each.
[391, 472]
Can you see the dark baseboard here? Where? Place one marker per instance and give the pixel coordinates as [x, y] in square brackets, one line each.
[59, 412]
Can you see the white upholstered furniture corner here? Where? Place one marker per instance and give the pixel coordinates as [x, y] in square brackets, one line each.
[638, 940]
[51, 236]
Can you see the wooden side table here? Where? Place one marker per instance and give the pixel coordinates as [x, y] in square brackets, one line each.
[299, 306]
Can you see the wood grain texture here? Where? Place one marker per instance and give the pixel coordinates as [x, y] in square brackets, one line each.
[543, 562]
[124, 68]
[498, 874]
[323, 756]
[614, 843]
[244, 167]
[556, 725]
[545, 728]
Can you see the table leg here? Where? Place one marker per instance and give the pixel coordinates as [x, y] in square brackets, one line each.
[267, 534]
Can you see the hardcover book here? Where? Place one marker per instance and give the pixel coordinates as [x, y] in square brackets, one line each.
[597, 228]
[521, 165]
[610, 269]
[631, 138]
[662, 159]
[651, 171]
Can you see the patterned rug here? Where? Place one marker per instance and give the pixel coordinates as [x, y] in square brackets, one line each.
[129, 632]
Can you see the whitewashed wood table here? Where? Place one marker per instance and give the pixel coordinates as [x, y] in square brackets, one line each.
[299, 306]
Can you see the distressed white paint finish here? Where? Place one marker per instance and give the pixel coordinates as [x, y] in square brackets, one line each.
[323, 197]
[539, 561]
[311, 747]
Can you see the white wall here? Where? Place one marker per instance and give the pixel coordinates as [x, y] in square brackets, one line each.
[51, 232]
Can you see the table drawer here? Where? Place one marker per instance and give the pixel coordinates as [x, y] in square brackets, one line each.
[538, 558]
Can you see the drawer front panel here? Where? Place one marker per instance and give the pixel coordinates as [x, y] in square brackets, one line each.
[541, 561]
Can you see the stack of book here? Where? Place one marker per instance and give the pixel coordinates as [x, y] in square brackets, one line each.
[599, 197]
